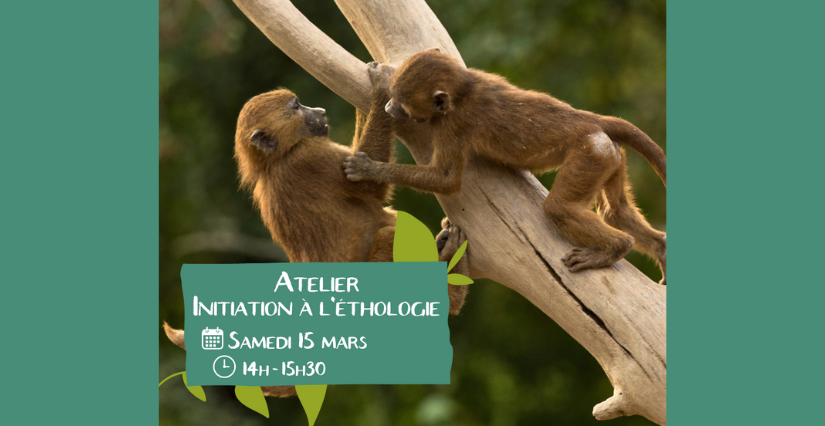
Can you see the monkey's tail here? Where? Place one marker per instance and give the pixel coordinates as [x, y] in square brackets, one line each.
[627, 134]
[176, 336]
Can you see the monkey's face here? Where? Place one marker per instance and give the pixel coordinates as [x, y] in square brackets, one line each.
[274, 122]
[269, 127]
[419, 89]
[420, 110]
[396, 108]
[315, 119]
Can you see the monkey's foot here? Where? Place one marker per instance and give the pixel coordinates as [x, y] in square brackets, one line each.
[359, 167]
[586, 258]
[449, 240]
[380, 75]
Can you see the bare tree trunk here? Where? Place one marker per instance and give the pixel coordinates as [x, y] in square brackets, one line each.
[616, 313]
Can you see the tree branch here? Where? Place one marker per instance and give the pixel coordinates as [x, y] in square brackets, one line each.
[616, 313]
[313, 50]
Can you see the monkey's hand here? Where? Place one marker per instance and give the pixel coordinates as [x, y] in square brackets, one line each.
[448, 241]
[360, 167]
[380, 75]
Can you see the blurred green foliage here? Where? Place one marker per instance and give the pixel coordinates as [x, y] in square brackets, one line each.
[512, 364]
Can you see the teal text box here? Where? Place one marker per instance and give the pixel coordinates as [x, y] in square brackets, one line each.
[392, 318]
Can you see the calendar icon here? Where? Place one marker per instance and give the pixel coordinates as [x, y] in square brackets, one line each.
[212, 339]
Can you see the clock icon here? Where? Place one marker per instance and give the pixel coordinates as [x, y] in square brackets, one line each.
[224, 366]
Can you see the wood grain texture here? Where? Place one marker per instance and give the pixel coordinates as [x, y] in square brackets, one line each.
[616, 313]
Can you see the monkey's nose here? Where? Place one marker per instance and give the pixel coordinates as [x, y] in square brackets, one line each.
[323, 112]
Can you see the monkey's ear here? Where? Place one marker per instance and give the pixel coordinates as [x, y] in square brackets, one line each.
[441, 101]
[263, 141]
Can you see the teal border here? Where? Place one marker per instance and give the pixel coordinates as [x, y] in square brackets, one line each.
[745, 151]
[80, 212]
[79, 179]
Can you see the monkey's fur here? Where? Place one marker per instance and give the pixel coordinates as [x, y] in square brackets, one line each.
[294, 172]
[471, 111]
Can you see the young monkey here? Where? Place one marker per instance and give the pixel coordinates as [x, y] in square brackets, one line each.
[294, 172]
[471, 111]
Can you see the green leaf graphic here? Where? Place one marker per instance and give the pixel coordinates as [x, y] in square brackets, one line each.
[253, 397]
[173, 375]
[195, 390]
[457, 256]
[458, 279]
[312, 397]
[413, 241]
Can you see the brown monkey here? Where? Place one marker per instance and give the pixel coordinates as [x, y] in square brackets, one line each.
[471, 111]
[294, 172]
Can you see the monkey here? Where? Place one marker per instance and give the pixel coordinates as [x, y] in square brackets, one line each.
[470, 111]
[294, 171]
